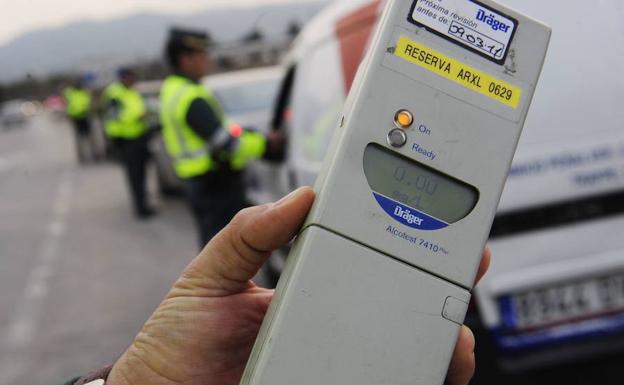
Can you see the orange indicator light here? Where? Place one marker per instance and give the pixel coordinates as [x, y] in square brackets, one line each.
[404, 118]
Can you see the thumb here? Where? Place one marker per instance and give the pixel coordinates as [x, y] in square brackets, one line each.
[235, 255]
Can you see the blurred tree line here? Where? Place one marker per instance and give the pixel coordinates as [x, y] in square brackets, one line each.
[258, 52]
[33, 87]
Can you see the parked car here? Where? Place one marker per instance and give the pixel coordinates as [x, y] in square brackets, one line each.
[246, 97]
[13, 114]
[555, 292]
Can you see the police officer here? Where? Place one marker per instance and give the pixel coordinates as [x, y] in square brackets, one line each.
[78, 102]
[125, 125]
[208, 155]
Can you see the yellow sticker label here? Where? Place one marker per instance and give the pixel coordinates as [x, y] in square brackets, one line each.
[458, 72]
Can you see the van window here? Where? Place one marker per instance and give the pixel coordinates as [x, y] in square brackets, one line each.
[318, 98]
[247, 97]
[283, 101]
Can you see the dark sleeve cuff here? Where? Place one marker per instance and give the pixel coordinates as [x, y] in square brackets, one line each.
[71, 382]
[101, 374]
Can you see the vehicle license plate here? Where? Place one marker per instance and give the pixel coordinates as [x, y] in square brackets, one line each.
[565, 303]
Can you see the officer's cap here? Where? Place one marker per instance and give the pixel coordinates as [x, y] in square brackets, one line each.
[123, 72]
[189, 39]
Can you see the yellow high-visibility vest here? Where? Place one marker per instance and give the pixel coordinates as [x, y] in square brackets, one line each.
[191, 154]
[128, 123]
[78, 102]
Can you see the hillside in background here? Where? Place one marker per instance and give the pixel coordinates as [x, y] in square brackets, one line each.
[101, 45]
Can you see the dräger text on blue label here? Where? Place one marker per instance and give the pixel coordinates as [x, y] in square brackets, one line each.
[407, 216]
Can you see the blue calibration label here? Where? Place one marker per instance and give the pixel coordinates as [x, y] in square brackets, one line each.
[408, 216]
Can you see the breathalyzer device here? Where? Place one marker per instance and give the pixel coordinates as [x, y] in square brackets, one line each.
[378, 282]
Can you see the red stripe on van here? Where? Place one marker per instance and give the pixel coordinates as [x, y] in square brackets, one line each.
[353, 33]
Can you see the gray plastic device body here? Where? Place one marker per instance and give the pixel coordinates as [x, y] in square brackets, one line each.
[365, 299]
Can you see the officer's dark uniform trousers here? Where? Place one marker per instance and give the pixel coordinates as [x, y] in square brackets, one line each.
[215, 198]
[134, 155]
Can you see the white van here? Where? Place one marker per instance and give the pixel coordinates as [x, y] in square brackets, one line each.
[555, 291]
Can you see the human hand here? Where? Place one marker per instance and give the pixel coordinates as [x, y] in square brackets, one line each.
[462, 365]
[204, 330]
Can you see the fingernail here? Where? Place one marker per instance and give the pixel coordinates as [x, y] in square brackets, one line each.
[292, 196]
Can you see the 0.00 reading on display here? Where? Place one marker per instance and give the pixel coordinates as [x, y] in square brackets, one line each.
[418, 186]
[421, 184]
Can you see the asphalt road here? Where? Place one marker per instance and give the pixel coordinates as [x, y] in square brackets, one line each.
[80, 275]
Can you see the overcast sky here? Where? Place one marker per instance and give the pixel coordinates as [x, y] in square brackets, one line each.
[19, 16]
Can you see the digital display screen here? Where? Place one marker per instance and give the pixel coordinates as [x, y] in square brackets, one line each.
[418, 186]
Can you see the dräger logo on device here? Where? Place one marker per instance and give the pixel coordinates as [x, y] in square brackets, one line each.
[407, 216]
[490, 19]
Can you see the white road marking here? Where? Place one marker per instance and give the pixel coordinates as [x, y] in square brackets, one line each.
[23, 326]
[11, 161]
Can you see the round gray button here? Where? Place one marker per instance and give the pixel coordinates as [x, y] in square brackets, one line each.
[397, 138]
